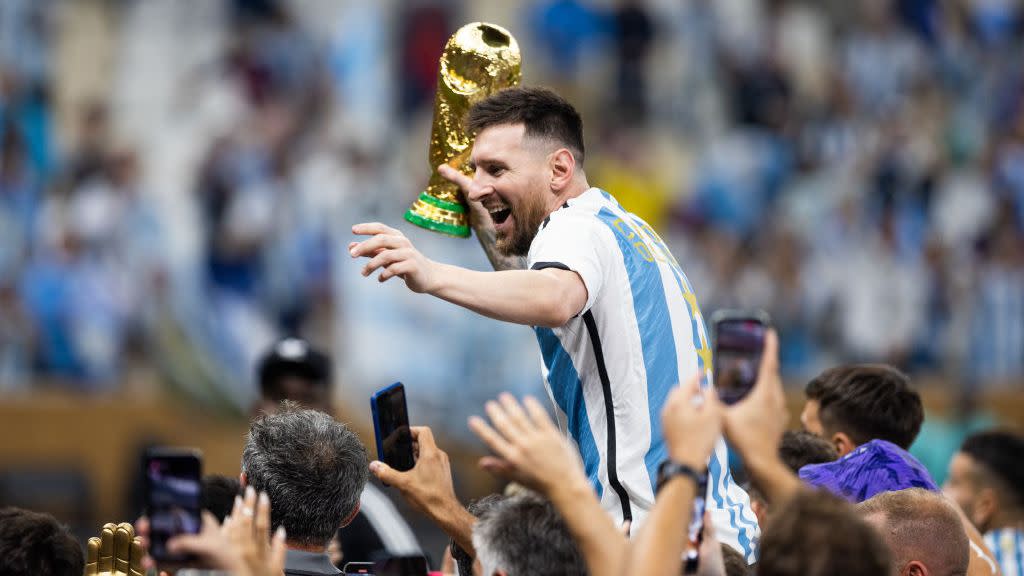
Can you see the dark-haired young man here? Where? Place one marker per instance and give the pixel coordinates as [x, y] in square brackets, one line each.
[986, 478]
[852, 404]
[616, 319]
[32, 543]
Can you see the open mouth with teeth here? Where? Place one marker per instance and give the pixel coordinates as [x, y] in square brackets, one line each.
[499, 214]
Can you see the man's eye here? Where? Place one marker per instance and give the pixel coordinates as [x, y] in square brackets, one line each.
[495, 170]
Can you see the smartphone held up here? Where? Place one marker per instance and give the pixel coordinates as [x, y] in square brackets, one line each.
[739, 337]
[173, 497]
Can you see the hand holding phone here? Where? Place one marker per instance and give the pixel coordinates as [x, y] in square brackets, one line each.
[739, 342]
[173, 489]
[391, 428]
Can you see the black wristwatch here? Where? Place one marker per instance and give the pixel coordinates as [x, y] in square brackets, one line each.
[670, 469]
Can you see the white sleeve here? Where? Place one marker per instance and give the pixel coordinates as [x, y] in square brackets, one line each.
[578, 243]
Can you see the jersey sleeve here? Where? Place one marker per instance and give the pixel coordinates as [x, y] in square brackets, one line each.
[579, 243]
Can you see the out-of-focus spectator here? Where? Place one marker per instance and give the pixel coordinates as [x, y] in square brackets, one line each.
[32, 543]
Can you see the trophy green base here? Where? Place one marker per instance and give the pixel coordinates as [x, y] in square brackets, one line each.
[439, 215]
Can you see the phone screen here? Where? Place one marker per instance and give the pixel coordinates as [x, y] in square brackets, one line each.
[696, 529]
[402, 566]
[173, 488]
[391, 425]
[739, 343]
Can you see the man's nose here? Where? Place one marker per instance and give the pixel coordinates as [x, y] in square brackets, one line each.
[478, 191]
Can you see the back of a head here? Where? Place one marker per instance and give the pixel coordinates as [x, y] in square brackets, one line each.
[524, 535]
[735, 563]
[312, 467]
[32, 543]
[817, 534]
[868, 402]
[218, 494]
[799, 448]
[921, 526]
[1000, 454]
[544, 114]
[294, 370]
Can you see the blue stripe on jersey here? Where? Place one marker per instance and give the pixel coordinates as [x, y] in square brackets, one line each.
[570, 401]
[715, 471]
[698, 333]
[656, 339]
[996, 534]
[1020, 552]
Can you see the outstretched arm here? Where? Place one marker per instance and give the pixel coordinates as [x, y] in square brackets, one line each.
[480, 222]
[531, 451]
[548, 297]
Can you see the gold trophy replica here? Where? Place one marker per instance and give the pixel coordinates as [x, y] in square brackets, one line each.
[478, 60]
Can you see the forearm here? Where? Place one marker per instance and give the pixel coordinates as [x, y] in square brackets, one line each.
[530, 297]
[457, 523]
[603, 546]
[662, 540]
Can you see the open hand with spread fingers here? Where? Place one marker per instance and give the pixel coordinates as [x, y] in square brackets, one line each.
[529, 449]
[394, 255]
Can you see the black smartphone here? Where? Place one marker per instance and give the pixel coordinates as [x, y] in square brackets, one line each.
[173, 489]
[391, 427]
[696, 529]
[739, 342]
[402, 566]
[358, 568]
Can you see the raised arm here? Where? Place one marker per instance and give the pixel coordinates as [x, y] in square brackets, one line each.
[548, 297]
[530, 450]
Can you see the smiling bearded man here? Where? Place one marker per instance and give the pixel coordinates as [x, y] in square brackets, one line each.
[616, 319]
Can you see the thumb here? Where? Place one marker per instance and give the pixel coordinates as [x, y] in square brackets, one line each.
[454, 176]
[385, 473]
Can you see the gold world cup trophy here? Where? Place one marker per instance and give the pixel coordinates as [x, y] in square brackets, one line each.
[478, 60]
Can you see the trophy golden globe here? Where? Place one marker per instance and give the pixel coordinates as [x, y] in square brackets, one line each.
[478, 60]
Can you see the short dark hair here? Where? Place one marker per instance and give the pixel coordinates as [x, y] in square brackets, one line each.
[291, 358]
[735, 563]
[817, 534]
[799, 448]
[218, 496]
[1000, 453]
[33, 543]
[923, 526]
[542, 113]
[313, 468]
[524, 535]
[868, 402]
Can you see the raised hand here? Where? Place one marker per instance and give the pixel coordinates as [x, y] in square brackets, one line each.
[529, 447]
[691, 422]
[391, 252]
[117, 552]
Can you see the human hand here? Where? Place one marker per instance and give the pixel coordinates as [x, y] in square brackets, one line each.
[691, 422]
[478, 216]
[755, 424]
[389, 250]
[117, 552]
[428, 485]
[711, 563]
[529, 448]
[242, 545]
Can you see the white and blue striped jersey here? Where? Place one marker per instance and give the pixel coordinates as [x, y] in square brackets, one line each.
[1007, 545]
[609, 370]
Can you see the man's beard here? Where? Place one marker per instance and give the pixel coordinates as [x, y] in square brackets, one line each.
[528, 218]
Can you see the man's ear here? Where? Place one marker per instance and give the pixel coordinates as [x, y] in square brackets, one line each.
[243, 480]
[914, 568]
[844, 445]
[985, 505]
[351, 516]
[563, 168]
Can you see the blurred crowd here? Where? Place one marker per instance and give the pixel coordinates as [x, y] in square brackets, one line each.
[856, 169]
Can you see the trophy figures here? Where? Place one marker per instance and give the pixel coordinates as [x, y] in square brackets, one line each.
[478, 60]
